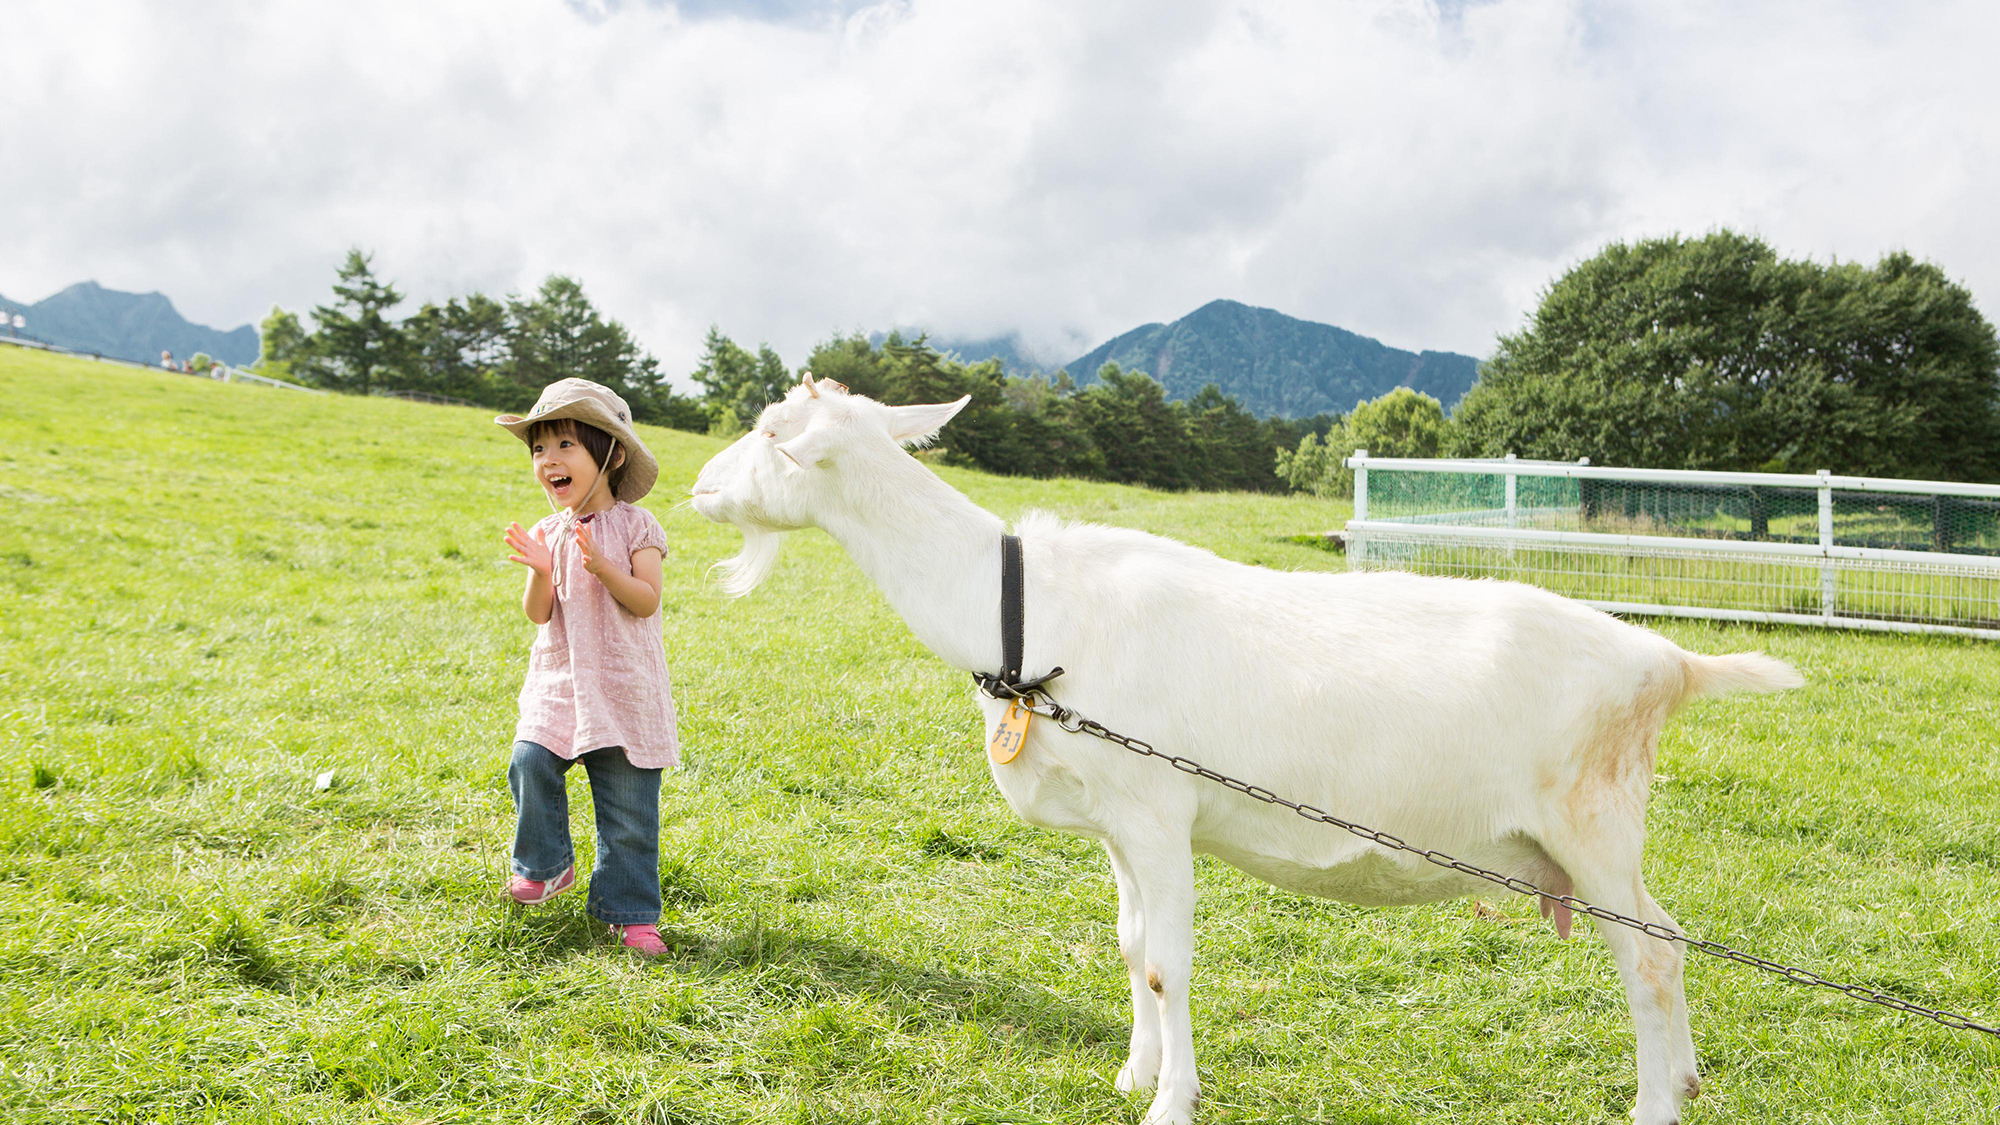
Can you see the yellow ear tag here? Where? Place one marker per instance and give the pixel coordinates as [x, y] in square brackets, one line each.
[1011, 734]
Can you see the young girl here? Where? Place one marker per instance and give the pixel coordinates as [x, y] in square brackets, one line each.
[597, 686]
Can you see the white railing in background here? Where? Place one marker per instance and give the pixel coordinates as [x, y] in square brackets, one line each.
[1686, 552]
[228, 374]
[221, 371]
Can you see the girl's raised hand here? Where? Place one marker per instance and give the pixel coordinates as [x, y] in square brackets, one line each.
[592, 561]
[529, 549]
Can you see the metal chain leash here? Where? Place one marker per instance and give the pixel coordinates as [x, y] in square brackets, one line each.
[1035, 700]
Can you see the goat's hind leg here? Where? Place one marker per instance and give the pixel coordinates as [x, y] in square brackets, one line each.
[1607, 873]
[1142, 1062]
[1683, 1072]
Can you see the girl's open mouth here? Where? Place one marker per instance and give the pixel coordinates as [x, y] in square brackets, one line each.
[559, 483]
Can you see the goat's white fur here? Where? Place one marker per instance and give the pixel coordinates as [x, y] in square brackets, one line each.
[1493, 721]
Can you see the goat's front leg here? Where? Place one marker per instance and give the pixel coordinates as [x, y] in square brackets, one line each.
[1162, 867]
[1142, 1062]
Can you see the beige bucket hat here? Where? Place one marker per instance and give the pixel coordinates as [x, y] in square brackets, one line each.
[593, 404]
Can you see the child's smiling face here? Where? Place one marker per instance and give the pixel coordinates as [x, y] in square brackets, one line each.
[565, 470]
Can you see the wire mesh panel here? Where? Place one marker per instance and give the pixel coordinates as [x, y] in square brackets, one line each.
[1845, 551]
[1957, 525]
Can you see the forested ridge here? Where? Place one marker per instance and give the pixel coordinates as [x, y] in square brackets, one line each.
[1276, 365]
[501, 352]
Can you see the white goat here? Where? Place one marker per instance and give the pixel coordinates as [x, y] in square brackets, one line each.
[1493, 721]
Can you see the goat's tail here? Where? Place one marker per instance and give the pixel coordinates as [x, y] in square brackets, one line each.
[1738, 671]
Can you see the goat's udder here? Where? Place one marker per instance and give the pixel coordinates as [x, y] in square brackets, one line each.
[1558, 881]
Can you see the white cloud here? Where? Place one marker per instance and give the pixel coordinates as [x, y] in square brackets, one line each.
[1069, 170]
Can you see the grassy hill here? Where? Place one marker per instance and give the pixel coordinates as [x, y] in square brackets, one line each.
[209, 594]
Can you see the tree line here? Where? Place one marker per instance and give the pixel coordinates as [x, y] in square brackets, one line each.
[1694, 353]
[1121, 428]
[497, 353]
[501, 353]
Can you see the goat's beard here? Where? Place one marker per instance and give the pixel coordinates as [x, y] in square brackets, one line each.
[750, 566]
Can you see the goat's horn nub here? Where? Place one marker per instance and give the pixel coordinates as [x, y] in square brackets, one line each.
[806, 381]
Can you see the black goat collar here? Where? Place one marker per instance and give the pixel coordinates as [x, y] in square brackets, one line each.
[1007, 683]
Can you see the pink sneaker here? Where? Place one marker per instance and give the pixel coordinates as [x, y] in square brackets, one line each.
[643, 940]
[534, 892]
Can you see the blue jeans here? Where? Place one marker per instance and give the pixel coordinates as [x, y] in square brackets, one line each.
[625, 885]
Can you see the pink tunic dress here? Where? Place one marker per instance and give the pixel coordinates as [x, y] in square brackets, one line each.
[597, 675]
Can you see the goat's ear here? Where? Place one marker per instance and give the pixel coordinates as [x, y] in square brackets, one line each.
[915, 425]
[808, 449]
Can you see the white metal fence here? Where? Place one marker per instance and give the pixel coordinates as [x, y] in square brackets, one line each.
[1853, 552]
[227, 374]
[221, 372]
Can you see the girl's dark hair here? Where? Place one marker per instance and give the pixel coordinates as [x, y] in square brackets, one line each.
[594, 441]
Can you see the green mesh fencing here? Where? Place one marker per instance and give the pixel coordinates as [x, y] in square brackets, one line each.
[1769, 514]
[1676, 550]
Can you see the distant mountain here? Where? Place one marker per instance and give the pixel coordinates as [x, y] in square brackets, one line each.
[1276, 364]
[1006, 349]
[1272, 363]
[1014, 358]
[135, 326]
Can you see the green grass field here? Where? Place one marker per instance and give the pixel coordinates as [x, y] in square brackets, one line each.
[210, 594]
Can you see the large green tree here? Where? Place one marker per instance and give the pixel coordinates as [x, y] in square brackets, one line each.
[458, 349]
[1402, 423]
[854, 362]
[737, 385]
[981, 434]
[1142, 435]
[1228, 448]
[1716, 353]
[1051, 439]
[355, 344]
[559, 334]
[281, 339]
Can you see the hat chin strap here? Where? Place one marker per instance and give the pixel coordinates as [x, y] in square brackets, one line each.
[568, 523]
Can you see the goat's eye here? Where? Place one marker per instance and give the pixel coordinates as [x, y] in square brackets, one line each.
[771, 434]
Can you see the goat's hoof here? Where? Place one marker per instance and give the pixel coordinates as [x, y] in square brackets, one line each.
[1171, 1108]
[1132, 1078]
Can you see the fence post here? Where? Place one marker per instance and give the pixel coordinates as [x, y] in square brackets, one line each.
[1357, 544]
[1826, 540]
[1513, 508]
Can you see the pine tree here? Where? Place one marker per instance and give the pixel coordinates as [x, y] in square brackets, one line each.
[355, 345]
[559, 334]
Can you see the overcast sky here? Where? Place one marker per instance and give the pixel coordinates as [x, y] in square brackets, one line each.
[1410, 170]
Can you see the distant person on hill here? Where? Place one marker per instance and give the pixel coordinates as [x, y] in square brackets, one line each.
[166, 359]
[597, 686]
